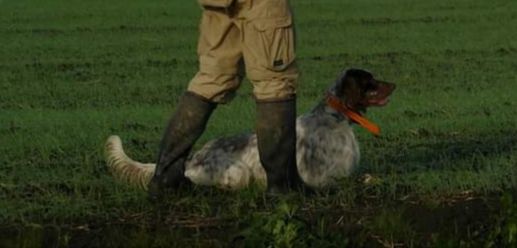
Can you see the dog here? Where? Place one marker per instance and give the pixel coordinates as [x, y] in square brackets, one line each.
[326, 147]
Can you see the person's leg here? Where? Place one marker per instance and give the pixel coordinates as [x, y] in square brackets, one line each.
[217, 79]
[270, 65]
[276, 140]
[185, 126]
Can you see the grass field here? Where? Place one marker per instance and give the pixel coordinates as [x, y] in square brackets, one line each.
[73, 72]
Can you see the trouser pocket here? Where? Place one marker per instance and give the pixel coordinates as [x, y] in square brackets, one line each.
[269, 54]
[274, 43]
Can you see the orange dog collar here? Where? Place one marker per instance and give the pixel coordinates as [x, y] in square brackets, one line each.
[336, 104]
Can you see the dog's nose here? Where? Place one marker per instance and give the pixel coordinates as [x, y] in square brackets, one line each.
[387, 88]
[387, 85]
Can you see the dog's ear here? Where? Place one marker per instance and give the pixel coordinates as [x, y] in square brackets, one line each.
[340, 81]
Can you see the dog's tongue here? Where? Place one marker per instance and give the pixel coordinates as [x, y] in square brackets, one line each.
[380, 102]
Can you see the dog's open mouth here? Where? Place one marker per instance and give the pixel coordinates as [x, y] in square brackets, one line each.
[380, 96]
[379, 102]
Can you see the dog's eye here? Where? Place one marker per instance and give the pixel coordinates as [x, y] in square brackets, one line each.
[371, 86]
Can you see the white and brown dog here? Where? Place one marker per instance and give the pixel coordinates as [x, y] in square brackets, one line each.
[327, 149]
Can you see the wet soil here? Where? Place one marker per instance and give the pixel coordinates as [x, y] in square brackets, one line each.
[403, 223]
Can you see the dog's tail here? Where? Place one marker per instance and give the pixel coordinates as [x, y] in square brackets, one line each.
[124, 168]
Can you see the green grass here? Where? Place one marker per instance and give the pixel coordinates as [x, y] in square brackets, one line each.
[74, 72]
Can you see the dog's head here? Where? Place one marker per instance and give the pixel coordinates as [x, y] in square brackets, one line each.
[359, 90]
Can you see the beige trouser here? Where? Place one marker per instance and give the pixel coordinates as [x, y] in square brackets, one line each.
[255, 35]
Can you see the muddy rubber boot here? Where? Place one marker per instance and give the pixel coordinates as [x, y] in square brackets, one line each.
[185, 127]
[276, 136]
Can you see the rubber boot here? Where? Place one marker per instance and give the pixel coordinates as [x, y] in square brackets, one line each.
[184, 128]
[276, 136]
